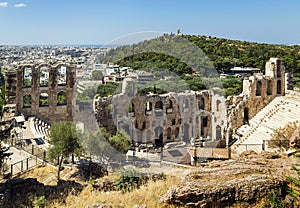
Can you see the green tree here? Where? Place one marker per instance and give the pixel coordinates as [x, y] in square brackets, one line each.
[104, 90]
[104, 147]
[97, 147]
[121, 141]
[97, 75]
[64, 142]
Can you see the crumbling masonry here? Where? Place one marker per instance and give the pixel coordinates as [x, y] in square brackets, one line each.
[181, 116]
[44, 91]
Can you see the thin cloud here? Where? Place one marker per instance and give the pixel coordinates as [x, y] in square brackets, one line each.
[3, 4]
[20, 5]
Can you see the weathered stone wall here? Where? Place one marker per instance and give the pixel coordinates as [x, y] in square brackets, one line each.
[258, 91]
[22, 192]
[163, 118]
[18, 87]
[193, 114]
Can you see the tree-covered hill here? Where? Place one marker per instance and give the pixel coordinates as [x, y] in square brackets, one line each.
[199, 56]
[223, 53]
[228, 53]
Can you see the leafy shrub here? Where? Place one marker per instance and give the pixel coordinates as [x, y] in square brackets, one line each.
[39, 202]
[273, 200]
[128, 180]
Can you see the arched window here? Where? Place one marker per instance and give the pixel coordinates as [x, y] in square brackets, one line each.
[27, 101]
[44, 76]
[158, 105]
[186, 103]
[270, 87]
[218, 132]
[62, 75]
[246, 116]
[258, 88]
[176, 132]
[27, 77]
[159, 136]
[169, 106]
[61, 98]
[218, 105]
[201, 104]
[169, 134]
[279, 87]
[173, 121]
[148, 106]
[131, 108]
[44, 99]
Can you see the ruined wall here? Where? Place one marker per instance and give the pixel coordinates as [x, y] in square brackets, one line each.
[163, 118]
[258, 91]
[30, 82]
[192, 114]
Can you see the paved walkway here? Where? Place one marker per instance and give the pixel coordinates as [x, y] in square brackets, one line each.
[21, 161]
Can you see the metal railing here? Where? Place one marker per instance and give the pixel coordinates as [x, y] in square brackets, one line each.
[22, 166]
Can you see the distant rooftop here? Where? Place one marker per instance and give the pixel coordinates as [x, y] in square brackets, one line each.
[251, 69]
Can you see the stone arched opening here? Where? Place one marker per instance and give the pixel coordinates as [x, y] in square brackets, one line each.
[270, 88]
[258, 88]
[201, 103]
[169, 106]
[246, 116]
[62, 75]
[169, 133]
[218, 132]
[131, 108]
[27, 77]
[44, 76]
[62, 98]
[279, 87]
[27, 100]
[44, 100]
[218, 105]
[158, 105]
[159, 136]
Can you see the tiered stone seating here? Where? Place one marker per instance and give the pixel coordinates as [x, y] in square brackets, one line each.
[280, 112]
[39, 128]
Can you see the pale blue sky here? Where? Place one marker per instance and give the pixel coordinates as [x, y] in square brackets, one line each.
[100, 21]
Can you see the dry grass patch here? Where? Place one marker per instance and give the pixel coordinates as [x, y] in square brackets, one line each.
[148, 195]
[47, 174]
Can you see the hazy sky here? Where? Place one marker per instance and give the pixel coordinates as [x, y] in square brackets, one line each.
[100, 21]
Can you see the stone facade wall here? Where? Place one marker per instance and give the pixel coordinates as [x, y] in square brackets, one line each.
[18, 87]
[258, 91]
[192, 114]
[163, 118]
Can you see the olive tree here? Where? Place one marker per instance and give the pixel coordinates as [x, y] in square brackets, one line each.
[64, 142]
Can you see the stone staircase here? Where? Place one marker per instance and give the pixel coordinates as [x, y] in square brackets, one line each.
[278, 113]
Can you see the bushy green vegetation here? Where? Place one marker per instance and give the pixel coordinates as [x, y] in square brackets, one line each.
[111, 88]
[104, 146]
[223, 53]
[232, 86]
[64, 142]
[128, 180]
[219, 53]
[226, 53]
